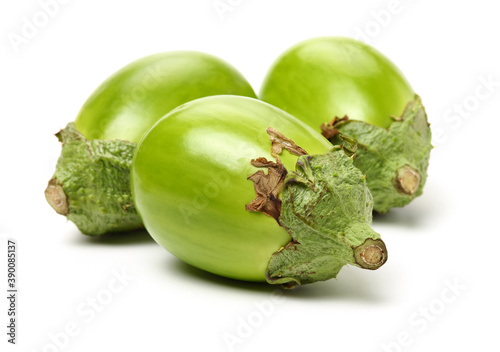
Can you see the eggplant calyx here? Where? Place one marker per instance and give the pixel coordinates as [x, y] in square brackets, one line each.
[394, 160]
[407, 180]
[325, 206]
[329, 129]
[56, 197]
[372, 254]
[327, 210]
[279, 141]
[91, 184]
[267, 187]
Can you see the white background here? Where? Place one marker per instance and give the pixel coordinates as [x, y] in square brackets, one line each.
[448, 236]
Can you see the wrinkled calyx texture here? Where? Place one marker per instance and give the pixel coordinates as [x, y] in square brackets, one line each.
[91, 184]
[326, 208]
[394, 160]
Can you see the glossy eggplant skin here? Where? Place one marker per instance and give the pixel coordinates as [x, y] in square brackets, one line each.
[189, 182]
[322, 78]
[129, 102]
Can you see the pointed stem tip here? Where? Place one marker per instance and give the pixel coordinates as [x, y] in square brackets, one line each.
[56, 197]
[407, 180]
[372, 254]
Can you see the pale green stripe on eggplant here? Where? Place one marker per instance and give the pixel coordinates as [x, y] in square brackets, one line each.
[382, 152]
[327, 210]
[95, 176]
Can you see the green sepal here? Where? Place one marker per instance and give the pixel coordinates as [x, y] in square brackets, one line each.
[94, 176]
[327, 210]
[384, 154]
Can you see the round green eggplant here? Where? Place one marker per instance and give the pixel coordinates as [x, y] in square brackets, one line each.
[322, 78]
[91, 183]
[129, 102]
[199, 184]
[342, 86]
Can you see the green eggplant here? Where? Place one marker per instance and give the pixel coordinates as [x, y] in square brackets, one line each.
[91, 184]
[200, 185]
[343, 87]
